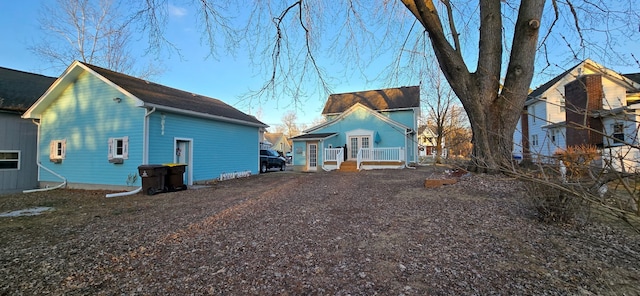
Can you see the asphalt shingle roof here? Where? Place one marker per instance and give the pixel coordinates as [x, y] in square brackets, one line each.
[633, 76]
[161, 95]
[382, 99]
[19, 90]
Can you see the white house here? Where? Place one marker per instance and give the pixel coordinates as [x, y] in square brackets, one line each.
[587, 94]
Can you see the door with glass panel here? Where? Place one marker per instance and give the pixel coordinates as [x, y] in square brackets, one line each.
[312, 157]
[355, 143]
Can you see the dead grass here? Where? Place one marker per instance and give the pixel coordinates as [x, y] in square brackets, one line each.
[366, 233]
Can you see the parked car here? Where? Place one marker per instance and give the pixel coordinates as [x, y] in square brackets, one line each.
[271, 159]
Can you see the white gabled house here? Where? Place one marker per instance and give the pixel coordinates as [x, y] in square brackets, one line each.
[587, 104]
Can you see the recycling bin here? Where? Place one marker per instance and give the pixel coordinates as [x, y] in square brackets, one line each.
[153, 178]
[174, 179]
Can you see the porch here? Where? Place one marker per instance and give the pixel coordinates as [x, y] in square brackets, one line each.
[366, 159]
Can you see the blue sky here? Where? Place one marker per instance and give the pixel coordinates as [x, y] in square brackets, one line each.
[226, 78]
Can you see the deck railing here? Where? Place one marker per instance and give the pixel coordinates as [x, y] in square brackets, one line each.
[391, 154]
[334, 154]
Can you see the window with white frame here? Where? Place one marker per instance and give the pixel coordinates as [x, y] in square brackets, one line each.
[9, 160]
[118, 149]
[57, 150]
[553, 134]
[618, 133]
[532, 112]
[534, 140]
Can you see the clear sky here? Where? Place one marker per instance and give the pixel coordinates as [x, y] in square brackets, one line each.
[226, 78]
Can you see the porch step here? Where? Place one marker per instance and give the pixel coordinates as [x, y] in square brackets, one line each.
[349, 166]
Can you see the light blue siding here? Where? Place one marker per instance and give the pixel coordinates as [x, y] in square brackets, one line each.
[218, 147]
[390, 135]
[86, 116]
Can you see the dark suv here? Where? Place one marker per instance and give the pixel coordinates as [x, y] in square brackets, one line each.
[271, 159]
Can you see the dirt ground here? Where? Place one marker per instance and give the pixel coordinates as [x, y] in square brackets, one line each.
[329, 233]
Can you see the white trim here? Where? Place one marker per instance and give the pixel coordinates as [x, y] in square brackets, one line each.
[189, 168]
[203, 115]
[11, 160]
[308, 157]
[353, 109]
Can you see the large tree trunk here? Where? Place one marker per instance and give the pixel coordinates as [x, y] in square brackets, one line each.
[493, 111]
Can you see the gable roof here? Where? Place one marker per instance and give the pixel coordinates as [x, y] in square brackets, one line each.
[148, 94]
[353, 109]
[627, 78]
[19, 90]
[381, 99]
[274, 137]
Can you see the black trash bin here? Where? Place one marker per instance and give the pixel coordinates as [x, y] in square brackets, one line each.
[153, 178]
[175, 176]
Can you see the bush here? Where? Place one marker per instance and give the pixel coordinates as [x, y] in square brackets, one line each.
[553, 205]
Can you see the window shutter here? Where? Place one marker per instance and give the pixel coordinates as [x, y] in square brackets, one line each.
[125, 147]
[110, 153]
[52, 150]
[64, 149]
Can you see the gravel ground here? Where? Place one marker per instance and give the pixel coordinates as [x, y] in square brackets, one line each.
[367, 233]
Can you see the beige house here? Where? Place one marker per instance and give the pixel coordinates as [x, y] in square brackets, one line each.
[278, 142]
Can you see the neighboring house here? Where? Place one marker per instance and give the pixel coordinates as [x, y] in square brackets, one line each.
[96, 126]
[278, 142]
[587, 95]
[18, 137]
[378, 128]
[427, 142]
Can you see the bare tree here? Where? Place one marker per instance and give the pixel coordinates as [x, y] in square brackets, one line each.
[290, 127]
[95, 32]
[443, 114]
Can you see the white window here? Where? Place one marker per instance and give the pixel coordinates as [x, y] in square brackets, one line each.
[618, 132]
[554, 136]
[532, 112]
[118, 149]
[534, 140]
[57, 150]
[9, 160]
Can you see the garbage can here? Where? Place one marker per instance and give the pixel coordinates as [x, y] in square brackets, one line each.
[175, 176]
[153, 178]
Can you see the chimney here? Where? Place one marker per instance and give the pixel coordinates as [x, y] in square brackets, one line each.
[583, 96]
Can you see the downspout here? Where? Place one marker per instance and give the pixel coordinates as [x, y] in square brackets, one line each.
[145, 153]
[406, 147]
[64, 180]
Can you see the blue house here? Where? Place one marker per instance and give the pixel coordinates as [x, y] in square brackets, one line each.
[96, 126]
[18, 90]
[363, 130]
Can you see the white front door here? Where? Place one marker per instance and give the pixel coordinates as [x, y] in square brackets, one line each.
[312, 156]
[355, 143]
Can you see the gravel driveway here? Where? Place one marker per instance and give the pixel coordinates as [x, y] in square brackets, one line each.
[329, 233]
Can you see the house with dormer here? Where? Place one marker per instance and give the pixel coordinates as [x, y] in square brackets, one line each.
[372, 129]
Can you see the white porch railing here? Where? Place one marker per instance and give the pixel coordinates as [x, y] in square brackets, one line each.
[392, 154]
[334, 154]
